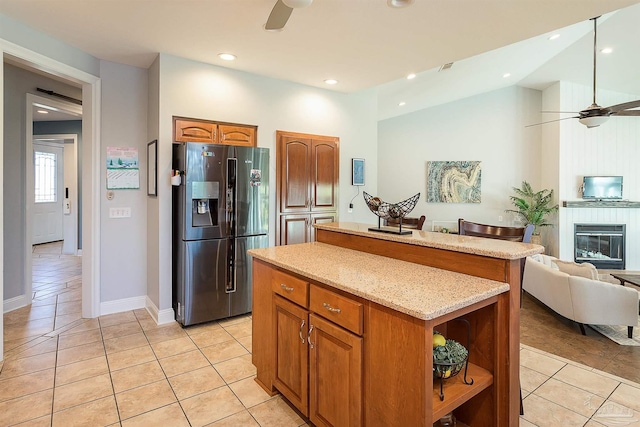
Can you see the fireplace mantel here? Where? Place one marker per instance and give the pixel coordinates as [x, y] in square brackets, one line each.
[600, 204]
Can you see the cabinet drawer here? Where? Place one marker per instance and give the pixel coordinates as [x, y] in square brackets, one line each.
[290, 287]
[340, 310]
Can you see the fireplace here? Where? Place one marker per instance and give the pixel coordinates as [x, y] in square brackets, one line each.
[601, 245]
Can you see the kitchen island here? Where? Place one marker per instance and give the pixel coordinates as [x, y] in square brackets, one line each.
[343, 327]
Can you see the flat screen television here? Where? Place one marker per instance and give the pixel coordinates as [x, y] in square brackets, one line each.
[602, 187]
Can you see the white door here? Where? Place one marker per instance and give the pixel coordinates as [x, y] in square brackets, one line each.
[48, 180]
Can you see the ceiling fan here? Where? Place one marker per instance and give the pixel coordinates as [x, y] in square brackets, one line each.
[282, 11]
[595, 115]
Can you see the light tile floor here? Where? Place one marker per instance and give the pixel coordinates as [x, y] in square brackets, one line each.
[124, 370]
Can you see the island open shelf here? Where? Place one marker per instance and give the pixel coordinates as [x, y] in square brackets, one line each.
[456, 392]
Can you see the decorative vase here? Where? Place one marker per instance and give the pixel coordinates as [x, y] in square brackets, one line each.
[536, 239]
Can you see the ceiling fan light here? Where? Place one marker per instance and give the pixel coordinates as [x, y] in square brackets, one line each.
[592, 122]
[296, 4]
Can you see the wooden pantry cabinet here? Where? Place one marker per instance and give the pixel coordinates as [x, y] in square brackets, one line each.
[307, 184]
[197, 130]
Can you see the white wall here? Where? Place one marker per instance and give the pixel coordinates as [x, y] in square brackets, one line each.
[610, 149]
[192, 89]
[123, 240]
[488, 127]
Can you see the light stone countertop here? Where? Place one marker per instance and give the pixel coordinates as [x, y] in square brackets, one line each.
[494, 248]
[419, 291]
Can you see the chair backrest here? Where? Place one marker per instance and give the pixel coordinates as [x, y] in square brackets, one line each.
[414, 223]
[515, 234]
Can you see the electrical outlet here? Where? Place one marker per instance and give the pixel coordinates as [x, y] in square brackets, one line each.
[499, 218]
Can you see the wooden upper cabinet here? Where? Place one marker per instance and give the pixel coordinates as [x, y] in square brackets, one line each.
[196, 130]
[237, 135]
[294, 155]
[186, 130]
[324, 155]
[308, 173]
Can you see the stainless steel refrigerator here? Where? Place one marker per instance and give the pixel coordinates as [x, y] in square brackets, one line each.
[220, 210]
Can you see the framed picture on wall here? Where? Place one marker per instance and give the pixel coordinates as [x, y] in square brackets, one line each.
[357, 171]
[152, 168]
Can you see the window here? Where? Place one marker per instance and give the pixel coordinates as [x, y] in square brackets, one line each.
[45, 177]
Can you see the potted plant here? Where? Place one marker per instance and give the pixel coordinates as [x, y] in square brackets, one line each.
[533, 207]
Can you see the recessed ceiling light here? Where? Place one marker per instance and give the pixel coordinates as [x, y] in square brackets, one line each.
[401, 104]
[606, 50]
[411, 76]
[506, 75]
[331, 81]
[555, 36]
[226, 56]
[43, 112]
[399, 3]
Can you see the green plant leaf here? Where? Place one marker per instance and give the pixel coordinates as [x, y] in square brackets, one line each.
[532, 207]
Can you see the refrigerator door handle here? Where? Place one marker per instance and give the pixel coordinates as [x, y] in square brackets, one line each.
[231, 268]
[232, 165]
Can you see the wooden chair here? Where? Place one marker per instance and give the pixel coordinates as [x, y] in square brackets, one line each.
[413, 223]
[514, 234]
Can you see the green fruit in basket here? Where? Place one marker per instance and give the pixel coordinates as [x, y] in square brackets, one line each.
[438, 340]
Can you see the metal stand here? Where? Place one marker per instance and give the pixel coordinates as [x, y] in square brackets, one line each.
[466, 361]
[390, 230]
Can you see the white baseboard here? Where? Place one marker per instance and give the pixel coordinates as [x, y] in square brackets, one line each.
[120, 305]
[15, 303]
[161, 317]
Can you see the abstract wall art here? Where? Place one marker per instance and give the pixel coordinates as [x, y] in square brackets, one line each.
[453, 182]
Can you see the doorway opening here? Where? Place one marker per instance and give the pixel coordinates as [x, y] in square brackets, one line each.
[91, 90]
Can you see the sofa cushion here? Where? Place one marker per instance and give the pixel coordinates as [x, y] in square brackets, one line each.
[575, 269]
[545, 260]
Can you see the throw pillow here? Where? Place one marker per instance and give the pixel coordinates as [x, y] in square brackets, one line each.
[574, 269]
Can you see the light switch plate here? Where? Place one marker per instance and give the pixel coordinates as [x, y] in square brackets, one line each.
[119, 212]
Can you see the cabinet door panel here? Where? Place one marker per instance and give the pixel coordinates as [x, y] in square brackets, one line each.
[325, 175]
[195, 131]
[292, 362]
[335, 375]
[294, 229]
[237, 135]
[322, 218]
[294, 169]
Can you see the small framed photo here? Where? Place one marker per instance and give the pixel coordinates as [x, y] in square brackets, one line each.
[152, 168]
[357, 171]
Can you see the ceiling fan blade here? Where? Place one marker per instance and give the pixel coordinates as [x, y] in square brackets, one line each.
[278, 17]
[551, 121]
[624, 106]
[560, 112]
[627, 113]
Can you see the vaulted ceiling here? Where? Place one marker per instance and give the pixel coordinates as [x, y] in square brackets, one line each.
[361, 43]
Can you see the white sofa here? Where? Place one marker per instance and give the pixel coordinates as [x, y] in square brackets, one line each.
[596, 300]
